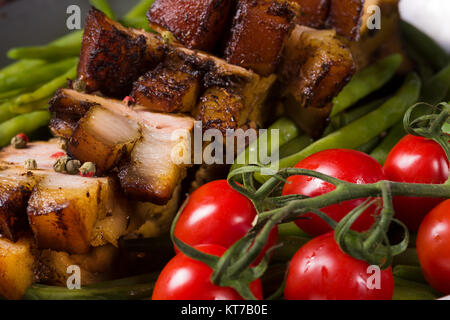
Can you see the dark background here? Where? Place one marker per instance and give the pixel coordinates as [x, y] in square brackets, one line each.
[37, 22]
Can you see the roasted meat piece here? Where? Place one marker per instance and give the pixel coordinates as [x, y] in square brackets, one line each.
[345, 17]
[17, 266]
[113, 57]
[168, 88]
[140, 143]
[313, 13]
[315, 68]
[259, 31]
[198, 24]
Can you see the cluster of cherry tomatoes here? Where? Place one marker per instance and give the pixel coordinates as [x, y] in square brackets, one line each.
[216, 216]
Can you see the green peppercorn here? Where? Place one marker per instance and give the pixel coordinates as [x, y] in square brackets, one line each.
[79, 85]
[167, 37]
[30, 164]
[88, 169]
[18, 142]
[73, 166]
[60, 164]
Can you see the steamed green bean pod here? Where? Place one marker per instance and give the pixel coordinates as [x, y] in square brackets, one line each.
[365, 82]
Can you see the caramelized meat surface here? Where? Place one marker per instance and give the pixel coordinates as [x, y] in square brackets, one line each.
[313, 13]
[258, 34]
[345, 17]
[113, 57]
[316, 67]
[168, 89]
[198, 24]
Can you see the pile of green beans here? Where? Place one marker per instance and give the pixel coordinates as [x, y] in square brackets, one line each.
[27, 85]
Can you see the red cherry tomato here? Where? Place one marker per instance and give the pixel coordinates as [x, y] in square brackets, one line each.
[186, 279]
[348, 165]
[433, 247]
[217, 214]
[416, 160]
[320, 270]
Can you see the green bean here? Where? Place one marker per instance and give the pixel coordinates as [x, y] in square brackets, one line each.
[422, 65]
[410, 290]
[139, 10]
[137, 23]
[45, 91]
[364, 129]
[411, 273]
[20, 66]
[26, 123]
[290, 246]
[437, 88]
[369, 145]
[365, 82]
[68, 39]
[5, 113]
[295, 145]
[425, 45]
[14, 93]
[396, 133]
[52, 52]
[126, 292]
[130, 281]
[342, 119]
[408, 257]
[36, 75]
[104, 7]
[291, 229]
[287, 131]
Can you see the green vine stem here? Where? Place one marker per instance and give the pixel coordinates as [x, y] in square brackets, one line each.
[235, 268]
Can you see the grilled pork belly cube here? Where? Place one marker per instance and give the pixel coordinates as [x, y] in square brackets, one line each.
[156, 163]
[198, 24]
[313, 13]
[17, 267]
[62, 128]
[372, 44]
[15, 190]
[103, 137]
[113, 57]
[63, 210]
[316, 67]
[259, 32]
[345, 17]
[95, 266]
[168, 89]
[149, 172]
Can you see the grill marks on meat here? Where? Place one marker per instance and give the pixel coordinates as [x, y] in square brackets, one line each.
[196, 24]
[140, 143]
[112, 57]
[259, 31]
[316, 67]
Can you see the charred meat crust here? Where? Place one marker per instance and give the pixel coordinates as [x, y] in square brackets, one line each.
[168, 89]
[345, 17]
[13, 205]
[316, 67]
[112, 57]
[258, 34]
[198, 24]
[62, 128]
